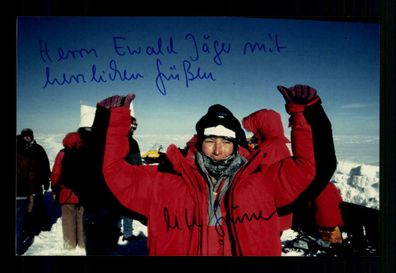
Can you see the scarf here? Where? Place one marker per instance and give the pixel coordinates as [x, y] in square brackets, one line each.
[215, 172]
[221, 168]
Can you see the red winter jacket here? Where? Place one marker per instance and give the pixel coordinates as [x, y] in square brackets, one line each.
[66, 195]
[327, 208]
[175, 202]
[267, 127]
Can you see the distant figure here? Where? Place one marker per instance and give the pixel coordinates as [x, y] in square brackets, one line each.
[64, 176]
[41, 220]
[25, 176]
[134, 158]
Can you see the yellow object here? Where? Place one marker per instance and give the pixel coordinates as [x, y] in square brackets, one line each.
[151, 154]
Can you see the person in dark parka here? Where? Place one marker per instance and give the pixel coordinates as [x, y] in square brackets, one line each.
[41, 220]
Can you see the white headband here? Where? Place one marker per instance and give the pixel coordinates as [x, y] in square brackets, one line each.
[219, 130]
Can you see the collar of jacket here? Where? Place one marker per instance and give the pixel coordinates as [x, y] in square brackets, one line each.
[182, 163]
[255, 159]
[177, 159]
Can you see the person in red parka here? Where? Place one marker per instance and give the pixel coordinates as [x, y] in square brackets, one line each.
[72, 211]
[268, 134]
[214, 201]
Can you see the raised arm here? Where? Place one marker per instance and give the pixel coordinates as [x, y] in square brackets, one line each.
[130, 184]
[323, 144]
[297, 172]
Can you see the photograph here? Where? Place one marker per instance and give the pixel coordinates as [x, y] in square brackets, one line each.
[197, 136]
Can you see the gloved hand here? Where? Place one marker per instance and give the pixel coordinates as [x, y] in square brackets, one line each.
[298, 94]
[117, 101]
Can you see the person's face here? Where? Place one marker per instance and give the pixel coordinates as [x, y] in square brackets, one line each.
[217, 148]
[27, 138]
[133, 126]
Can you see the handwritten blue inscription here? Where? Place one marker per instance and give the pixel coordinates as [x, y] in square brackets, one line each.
[63, 54]
[192, 74]
[191, 66]
[121, 49]
[115, 74]
[269, 47]
[64, 79]
[189, 75]
[217, 48]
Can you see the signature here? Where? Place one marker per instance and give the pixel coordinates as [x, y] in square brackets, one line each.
[186, 221]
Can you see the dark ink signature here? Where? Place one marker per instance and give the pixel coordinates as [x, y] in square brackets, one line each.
[174, 223]
[253, 216]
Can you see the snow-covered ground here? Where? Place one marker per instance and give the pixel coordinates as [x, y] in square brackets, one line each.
[357, 180]
[50, 243]
[359, 183]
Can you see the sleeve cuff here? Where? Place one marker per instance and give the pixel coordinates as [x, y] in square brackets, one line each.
[295, 108]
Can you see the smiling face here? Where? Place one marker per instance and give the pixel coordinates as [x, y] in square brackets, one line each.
[217, 148]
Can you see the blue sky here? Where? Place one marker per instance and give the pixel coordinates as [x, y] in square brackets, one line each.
[185, 64]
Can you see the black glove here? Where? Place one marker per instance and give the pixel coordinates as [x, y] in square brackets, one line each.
[298, 94]
[117, 101]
